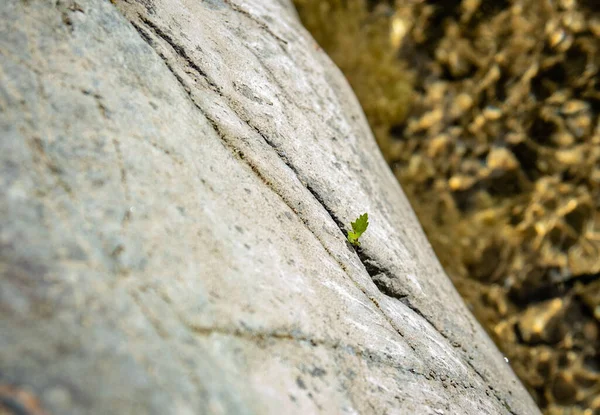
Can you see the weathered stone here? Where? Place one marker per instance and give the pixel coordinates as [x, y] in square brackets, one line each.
[175, 180]
[517, 76]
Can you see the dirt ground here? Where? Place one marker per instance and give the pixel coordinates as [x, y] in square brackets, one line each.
[488, 113]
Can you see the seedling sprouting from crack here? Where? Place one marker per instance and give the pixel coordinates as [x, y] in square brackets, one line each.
[359, 226]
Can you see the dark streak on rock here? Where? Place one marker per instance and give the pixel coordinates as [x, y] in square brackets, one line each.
[261, 24]
[179, 50]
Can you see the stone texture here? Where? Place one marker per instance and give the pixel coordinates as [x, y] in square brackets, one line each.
[176, 176]
[499, 154]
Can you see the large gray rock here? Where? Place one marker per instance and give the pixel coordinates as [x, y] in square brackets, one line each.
[176, 177]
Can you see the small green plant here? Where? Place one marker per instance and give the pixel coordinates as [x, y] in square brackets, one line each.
[359, 226]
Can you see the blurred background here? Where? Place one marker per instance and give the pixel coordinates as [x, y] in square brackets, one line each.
[487, 111]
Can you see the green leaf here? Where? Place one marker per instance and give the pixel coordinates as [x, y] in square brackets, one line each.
[359, 226]
[353, 238]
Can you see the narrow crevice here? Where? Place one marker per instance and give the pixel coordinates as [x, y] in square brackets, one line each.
[383, 278]
[330, 212]
[382, 281]
[275, 80]
[254, 335]
[484, 379]
[260, 23]
[160, 330]
[43, 159]
[155, 322]
[180, 51]
[146, 37]
[124, 184]
[407, 302]
[371, 356]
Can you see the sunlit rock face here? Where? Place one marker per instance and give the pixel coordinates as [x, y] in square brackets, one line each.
[178, 179]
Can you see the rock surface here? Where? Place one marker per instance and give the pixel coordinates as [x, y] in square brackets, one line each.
[175, 180]
[499, 154]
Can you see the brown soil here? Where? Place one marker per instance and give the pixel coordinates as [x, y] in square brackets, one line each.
[488, 113]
